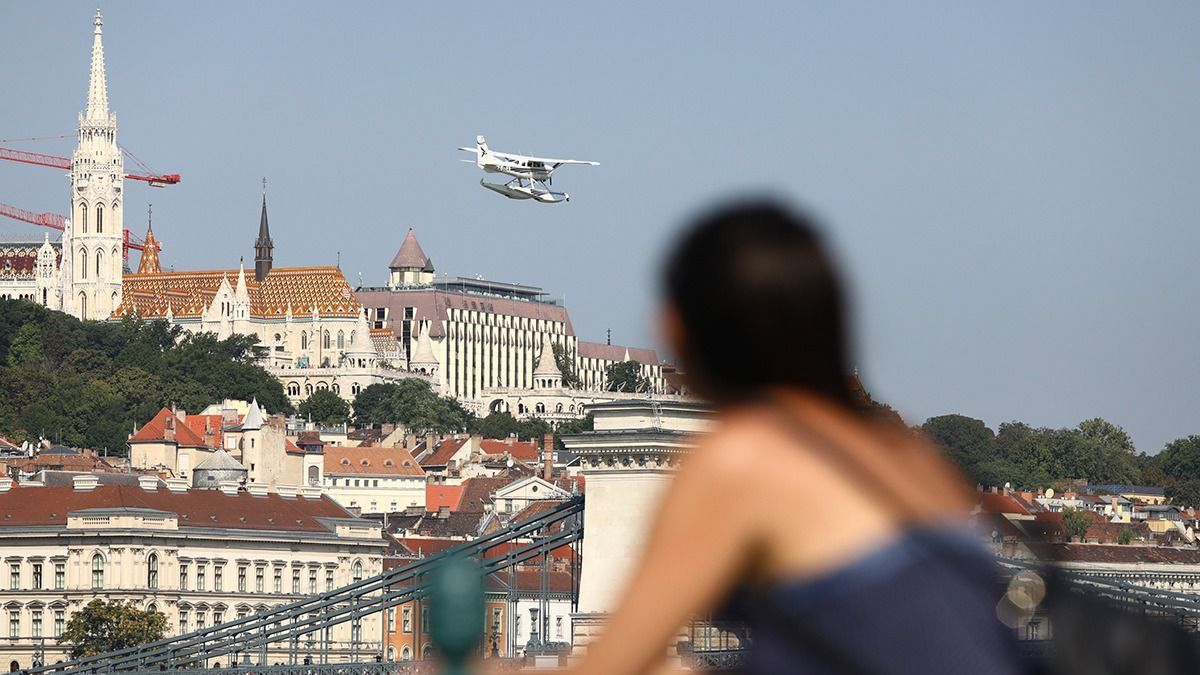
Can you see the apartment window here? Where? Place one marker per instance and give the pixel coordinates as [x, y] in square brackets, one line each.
[295, 581]
[60, 576]
[218, 578]
[278, 579]
[152, 571]
[37, 623]
[37, 576]
[406, 620]
[357, 569]
[218, 618]
[259, 573]
[424, 619]
[391, 620]
[241, 586]
[558, 627]
[356, 630]
[60, 622]
[14, 576]
[329, 580]
[183, 622]
[14, 623]
[312, 581]
[496, 616]
[183, 576]
[97, 571]
[201, 574]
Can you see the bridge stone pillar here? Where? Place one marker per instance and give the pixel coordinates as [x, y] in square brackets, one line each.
[627, 461]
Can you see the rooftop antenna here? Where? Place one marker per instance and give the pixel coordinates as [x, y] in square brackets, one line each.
[339, 260]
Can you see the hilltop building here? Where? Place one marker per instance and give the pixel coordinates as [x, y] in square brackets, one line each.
[490, 343]
[29, 270]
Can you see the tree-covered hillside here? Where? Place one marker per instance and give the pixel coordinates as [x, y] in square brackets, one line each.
[86, 383]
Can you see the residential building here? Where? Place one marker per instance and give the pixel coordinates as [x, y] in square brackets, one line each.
[373, 480]
[202, 557]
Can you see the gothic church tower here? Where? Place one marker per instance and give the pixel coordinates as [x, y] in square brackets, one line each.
[92, 244]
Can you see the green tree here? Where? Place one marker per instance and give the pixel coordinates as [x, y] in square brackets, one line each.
[1108, 434]
[413, 403]
[1076, 523]
[967, 441]
[325, 407]
[87, 383]
[1184, 493]
[625, 376]
[104, 627]
[1124, 536]
[570, 379]
[1180, 459]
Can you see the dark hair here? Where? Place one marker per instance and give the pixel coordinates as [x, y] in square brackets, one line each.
[761, 305]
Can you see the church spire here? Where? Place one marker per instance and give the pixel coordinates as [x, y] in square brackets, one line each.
[97, 101]
[149, 262]
[263, 246]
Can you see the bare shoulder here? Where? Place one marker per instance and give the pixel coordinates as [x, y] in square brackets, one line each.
[739, 449]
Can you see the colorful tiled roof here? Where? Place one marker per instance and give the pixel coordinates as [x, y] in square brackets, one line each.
[187, 294]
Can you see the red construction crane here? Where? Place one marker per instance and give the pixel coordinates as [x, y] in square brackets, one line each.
[58, 222]
[56, 162]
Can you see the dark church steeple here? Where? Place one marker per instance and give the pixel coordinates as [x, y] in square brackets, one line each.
[263, 245]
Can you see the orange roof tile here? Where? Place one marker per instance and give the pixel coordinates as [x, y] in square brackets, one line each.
[437, 496]
[370, 460]
[526, 451]
[155, 430]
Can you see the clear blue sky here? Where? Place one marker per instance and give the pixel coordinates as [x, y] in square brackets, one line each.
[1015, 187]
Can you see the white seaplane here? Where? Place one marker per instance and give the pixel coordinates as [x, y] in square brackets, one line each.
[531, 176]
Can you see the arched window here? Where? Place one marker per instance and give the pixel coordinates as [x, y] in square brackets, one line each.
[152, 571]
[405, 654]
[337, 388]
[99, 218]
[83, 266]
[293, 389]
[99, 264]
[152, 607]
[314, 475]
[391, 653]
[558, 408]
[356, 571]
[540, 407]
[303, 340]
[83, 305]
[308, 390]
[353, 336]
[341, 340]
[326, 341]
[83, 210]
[97, 571]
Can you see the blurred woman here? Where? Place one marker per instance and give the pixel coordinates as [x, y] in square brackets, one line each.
[840, 540]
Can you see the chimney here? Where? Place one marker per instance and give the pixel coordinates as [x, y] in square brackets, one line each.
[548, 456]
[177, 485]
[148, 482]
[429, 440]
[169, 428]
[257, 489]
[228, 487]
[6, 484]
[85, 482]
[410, 442]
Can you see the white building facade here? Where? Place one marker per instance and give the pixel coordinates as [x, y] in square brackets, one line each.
[201, 557]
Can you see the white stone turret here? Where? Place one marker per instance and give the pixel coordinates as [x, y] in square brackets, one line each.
[423, 359]
[92, 243]
[253, 420]
[47, 276]
[546, 374]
